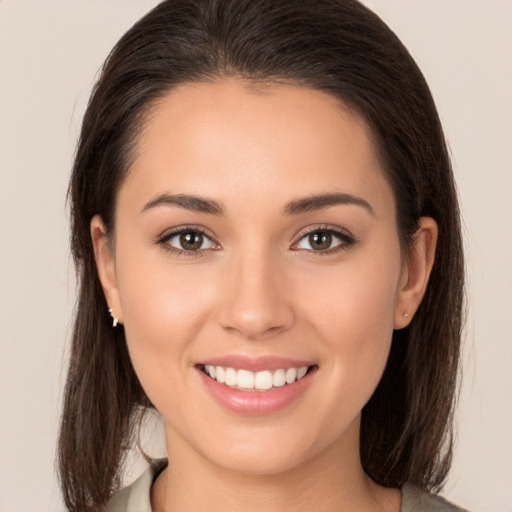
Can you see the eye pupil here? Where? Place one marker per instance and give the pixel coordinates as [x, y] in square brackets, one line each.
[191, 241]
[320, 240]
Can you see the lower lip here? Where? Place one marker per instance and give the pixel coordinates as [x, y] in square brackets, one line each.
[256, 402]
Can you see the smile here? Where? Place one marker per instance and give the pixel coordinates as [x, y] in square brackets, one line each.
[246, 380]
[256, 386]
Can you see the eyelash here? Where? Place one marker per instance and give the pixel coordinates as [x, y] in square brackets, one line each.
[346, 240]
[164, 239]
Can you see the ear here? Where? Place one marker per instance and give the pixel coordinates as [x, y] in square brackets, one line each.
[416, 272]
[104, 256]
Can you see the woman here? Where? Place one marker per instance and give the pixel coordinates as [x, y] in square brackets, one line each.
[267, 235]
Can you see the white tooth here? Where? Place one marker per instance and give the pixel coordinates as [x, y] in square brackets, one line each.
[302, 371]
[279, 378]
[263, 380]
[291, 375]
[210, 370]
[220, 374]
[245, 379]
[231, 377]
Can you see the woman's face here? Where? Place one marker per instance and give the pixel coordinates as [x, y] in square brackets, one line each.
[255, 239]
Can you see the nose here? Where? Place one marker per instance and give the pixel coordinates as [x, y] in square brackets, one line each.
[255, 301]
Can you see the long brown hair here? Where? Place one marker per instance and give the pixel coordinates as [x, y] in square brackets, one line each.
[336, 46]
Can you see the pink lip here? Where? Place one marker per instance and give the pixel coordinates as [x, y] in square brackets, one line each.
[254, 403]
[255, 364]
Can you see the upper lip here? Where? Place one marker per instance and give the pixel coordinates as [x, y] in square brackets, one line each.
[255, 364]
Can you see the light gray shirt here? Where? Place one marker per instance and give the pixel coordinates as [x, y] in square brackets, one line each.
[136, 497]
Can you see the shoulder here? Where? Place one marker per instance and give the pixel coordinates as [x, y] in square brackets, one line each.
[416, 500]
[137, 496]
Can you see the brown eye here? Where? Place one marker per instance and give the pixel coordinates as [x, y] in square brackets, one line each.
[191, 240]
[320, 240]
[188, 240]
[324, 241]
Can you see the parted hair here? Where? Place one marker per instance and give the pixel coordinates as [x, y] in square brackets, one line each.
[336, 46]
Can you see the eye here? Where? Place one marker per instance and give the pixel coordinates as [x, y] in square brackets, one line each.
[324, 241]
[187, 240]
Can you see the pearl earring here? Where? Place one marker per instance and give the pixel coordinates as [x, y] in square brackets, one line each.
[115, 320]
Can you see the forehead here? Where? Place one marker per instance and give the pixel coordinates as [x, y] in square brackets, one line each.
[228, 140]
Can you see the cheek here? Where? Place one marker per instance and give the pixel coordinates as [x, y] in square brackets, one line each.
[167, 300]
[164, 307]
[353, 312]
[354, 298]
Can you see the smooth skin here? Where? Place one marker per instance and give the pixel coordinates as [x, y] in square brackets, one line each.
[256, 283]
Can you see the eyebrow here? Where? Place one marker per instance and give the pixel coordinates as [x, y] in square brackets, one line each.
[299, 206]
[318, 202]
[189, 202]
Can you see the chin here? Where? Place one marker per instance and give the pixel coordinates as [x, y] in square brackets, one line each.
[277, 449]
[260, 461]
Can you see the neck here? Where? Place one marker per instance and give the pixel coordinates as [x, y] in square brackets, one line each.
[331, 481]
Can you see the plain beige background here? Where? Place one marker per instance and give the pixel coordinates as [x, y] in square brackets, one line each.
[49, 54]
